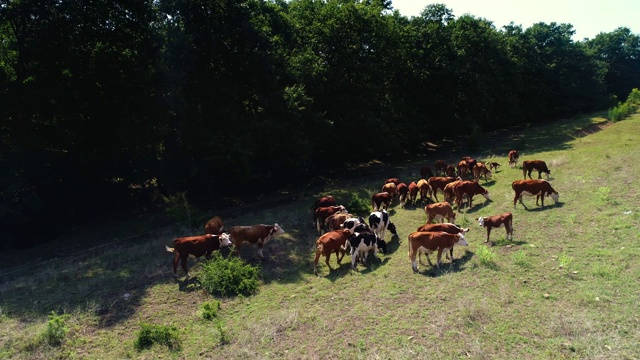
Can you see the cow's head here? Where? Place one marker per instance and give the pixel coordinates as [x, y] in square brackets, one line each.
[461, 240]
[480, 221]
[225, 239]
[350, 224]
[277, 229]
[554, 195]
[382, 245]
[341, 210]
[392, 227]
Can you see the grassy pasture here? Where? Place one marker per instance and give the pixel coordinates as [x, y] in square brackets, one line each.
[565, 287]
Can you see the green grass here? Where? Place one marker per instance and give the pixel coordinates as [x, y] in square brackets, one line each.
[384, 310]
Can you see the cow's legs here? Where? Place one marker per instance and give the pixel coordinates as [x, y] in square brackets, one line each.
[488, 233]
[439, 258]
[183, 263]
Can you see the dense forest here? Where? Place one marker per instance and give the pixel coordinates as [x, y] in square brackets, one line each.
[107, 102]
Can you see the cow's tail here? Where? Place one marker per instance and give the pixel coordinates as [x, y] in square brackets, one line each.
[346, 244]
[410, 247]
[170, 249]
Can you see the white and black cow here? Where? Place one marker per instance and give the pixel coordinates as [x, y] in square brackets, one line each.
[362, 243]
[379, 221]
[351, 224]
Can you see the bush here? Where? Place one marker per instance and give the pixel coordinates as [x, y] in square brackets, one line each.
[150, 334]
[623, 110]
[229, 277]
[486, 256]
[56, 329]
[358, 206]
[210, 310]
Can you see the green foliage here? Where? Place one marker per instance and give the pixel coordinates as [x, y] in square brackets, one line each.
[229, 276]
[56, 329]
[486, 256]
[603, 194]
[210, 310]
[565, 260]
[223, 335]
[151, 334]
[624, 110]
[520, 259]
[358, 205]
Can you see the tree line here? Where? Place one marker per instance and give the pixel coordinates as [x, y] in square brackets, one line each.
[105, 102]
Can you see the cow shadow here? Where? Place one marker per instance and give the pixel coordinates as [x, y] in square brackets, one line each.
[537, 208]
[505, 242]
[393, 245]
[476, 207]
[456, 266]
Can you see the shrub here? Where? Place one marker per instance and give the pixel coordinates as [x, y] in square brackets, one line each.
[150, 334]
[230, 276]
[520, 259]
[623, 110]
[210, 310]
[486, 256]
[358, 205]
[56, 329]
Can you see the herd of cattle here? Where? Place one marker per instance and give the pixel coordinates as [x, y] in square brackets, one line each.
[342, 232]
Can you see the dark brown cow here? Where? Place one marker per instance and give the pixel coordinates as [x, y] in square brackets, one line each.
[530, 187]
[450, 171]
[392, 180]
[429, 242]
[440, 166]
[439, 210]
[529, 165]
[513, 158]
[424, 188]
[481, 169]
[321, 202]
[497, 221]
[413, 192]
[470, 161]
[450, 192]
[214, 226]
[446, 227]
[469, 188]
[197, 246]
[329, 243]
[425, 172]
[322, 213]
[438, 183]
[463, 168]
[381, 200]
[494, 166]
[403, 191]
[254, 234]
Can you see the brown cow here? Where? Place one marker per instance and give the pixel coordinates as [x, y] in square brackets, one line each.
[463, 168]
[329, 243]
[429, 242]
[254, 234]
[322, 213]
[440, 166]
[197, 246]
[450, 171]
[438, 183]
[530, 187]
[381, 200]
[513, 158]
[403, 191]
[214, 226]
[392, 180]
[335, 221]
[321, 202]
[470, 161]
[529, 165]
[497, 221]
[425, 172]
[469, 188]
[424, 188]
[481, 169]
[446, 227]
[449, 191]
[390, 188]
[413, 192]
[439, 210]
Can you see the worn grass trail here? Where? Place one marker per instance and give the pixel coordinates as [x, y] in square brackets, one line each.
[565, 287]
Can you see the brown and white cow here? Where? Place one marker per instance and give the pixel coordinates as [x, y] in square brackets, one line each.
[380, 201]
[450, 192]
[440, 167]
[530, 187]
[438, 183]
[329, 243]
[497, 221]
[425, 172]
[481, 169]
[413, 192]
[446, 227]
[439, 211]
[336, 221]
[258, 234]
[430, 242]
[424, 188]
[196, 246]
[322, 213]
[403, 192]
[469, 188]
[214, 226]
[513, 158]
[390, 188]
[529, 165]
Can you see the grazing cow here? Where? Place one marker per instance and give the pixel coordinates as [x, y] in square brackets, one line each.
[481, 169]
[413, 192]
[449, 191]
[469, 188]
[329, 243]
[529, 165]
[353, 225]
[429, 242]
[440, 166]
[450, 171]
[362, 243]
[439, 211]
[470, 161]
[446, 227]
[214, 226]
[513, 158]
[381, 200]
[197, 246]
[425, 172]
[322, 213]
[321, 202]
[438, 183]
[390, 188]
[379, 222]
[403, 191]
[336, 221]
[424, 188]
[494, 166]
[392, 180]
[463, 168]
[530, 187]
[496, 221]
[254, 234]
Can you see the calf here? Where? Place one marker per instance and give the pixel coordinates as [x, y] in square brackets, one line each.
[380, 200]
[195, 246]
[446, 227]
[429, 242]
[481, 169]
[379, 222]
[403, 191]
[494, 166]
[529, 165]
[530, 187]
[424, 188]
[469, 188]
[322, 213]
[214, 226]
[513, 158]
[329, 243]
[254, 234]
[438, 183]
[496, 221]
[362, 243]
[439, 210]
[413, 192]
